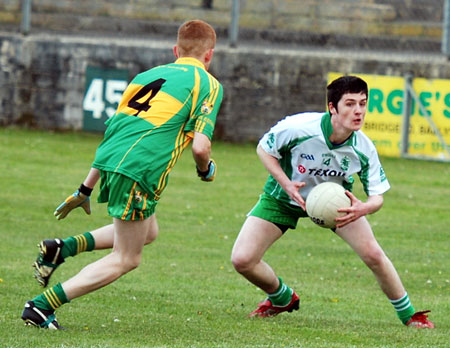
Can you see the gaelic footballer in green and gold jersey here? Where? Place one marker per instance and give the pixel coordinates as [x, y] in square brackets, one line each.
[161, 111]
[156, 120]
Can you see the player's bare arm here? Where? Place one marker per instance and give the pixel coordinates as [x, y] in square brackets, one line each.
[201, 151]
[274, 168]
[92, 178]
[359, 208]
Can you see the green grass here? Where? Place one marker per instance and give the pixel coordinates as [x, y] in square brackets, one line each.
[186, 293]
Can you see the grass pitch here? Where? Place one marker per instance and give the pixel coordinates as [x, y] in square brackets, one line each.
[186, 293]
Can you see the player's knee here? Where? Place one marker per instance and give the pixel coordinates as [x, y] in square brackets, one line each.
[129, 263]
[153, 230]
[151, 236]
[374, 258]
[133, 263]
[242, 262]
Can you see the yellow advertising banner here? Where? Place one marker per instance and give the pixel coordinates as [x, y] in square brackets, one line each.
[384, 116]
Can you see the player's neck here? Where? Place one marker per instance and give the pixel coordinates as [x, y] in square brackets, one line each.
[340, 136]
[340, 133]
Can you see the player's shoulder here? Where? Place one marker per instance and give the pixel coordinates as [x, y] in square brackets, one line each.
[363, 142]
[206, 75]
[303, 117]
[300, 121]
[149, 75]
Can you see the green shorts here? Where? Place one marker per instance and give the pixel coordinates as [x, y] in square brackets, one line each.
[126, 199]
[277, 212]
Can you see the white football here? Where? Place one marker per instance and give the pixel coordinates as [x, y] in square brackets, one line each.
[323, 202]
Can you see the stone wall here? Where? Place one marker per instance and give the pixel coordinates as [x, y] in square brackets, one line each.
[42, 77]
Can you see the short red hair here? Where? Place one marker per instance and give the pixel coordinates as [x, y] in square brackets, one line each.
[195, 38]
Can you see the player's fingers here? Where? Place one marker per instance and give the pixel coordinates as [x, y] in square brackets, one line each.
[59, 207]
[87, 207]
[62, 214]
[342, 223]
[299, 199]
[345, 220]
[299, 184]
[59, 210]
[352, 197]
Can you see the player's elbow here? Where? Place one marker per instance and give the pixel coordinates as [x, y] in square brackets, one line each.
[375, 203]
[201, 146]
[260, 151]
[201, 150]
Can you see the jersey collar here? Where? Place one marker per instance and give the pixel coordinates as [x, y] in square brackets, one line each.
[190, 61]
[327, 129]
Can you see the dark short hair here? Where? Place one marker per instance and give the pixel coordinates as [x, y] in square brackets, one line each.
[345, 84]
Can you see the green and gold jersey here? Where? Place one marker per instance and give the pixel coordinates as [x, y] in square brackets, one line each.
[156, 119]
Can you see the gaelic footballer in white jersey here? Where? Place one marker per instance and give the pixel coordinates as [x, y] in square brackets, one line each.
[301, 144]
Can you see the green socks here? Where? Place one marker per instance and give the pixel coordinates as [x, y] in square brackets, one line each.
[404, 308]
[51, 298]
[77, 244]
[282, 296]
[55, 296]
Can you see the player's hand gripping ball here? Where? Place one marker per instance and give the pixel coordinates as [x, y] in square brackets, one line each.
[323, 202]
[210, 173]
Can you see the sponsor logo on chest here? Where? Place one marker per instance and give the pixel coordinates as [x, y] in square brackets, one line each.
[330, 165]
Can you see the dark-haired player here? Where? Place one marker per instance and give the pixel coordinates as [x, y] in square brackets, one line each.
[302, 151]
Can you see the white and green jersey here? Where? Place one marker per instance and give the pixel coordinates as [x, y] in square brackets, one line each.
[301, 144]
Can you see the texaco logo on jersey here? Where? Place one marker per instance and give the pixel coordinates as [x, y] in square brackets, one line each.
[301, 169]
[319, 171]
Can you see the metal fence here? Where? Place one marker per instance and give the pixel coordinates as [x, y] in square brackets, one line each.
[410, 97]
[412, 25]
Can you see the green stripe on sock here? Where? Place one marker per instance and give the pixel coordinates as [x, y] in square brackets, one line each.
[404, 308]
[282, 296]
[78, 244]
[51, 298]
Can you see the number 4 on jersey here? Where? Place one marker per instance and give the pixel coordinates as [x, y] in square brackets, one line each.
[149, 91]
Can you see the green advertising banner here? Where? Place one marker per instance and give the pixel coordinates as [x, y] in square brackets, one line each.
[384, 116]
[103, 92]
